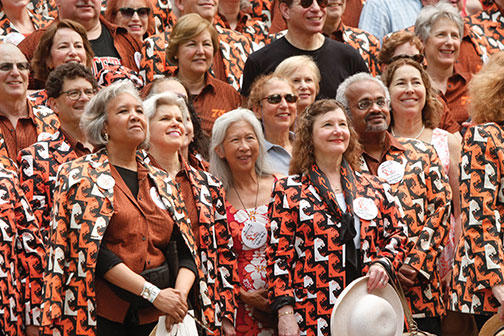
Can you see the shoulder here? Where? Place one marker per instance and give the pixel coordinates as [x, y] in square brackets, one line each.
[416, 146]
[362, 35]
[482, 132]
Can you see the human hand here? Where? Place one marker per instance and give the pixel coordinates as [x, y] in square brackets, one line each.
[171, 302]
[228, 328]
[169, 323]
[287, 324]
[32, 330]
[378, 277]
[257, 299]
[498, 292]
[407, 275]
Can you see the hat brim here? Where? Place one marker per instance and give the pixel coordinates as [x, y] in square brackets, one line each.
[494, 326]
[345, 302]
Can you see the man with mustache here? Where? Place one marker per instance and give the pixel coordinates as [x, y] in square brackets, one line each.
[417, 182]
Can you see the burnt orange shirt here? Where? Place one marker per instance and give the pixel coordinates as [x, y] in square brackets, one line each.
[20, 137]
[446, 121]
[77, 146]
[216, 98]
[457, 95]
[138, 233]
[372, 163]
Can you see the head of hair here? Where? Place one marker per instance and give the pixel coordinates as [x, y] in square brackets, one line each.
[67, 71]
[303, 150]
[287, 2]
[42, 53]
[486, 91]
[152, 103]
[113, 9]
[258, 90]
[187, 27]
[95, 113]
[289, 66]
[432, 110]
[219, 167]
[429, 15]
[395, 40]
[359, 77]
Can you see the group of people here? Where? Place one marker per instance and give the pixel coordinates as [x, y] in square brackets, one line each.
[241, 163]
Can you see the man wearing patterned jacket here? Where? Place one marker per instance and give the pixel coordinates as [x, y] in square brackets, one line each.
[414, 172]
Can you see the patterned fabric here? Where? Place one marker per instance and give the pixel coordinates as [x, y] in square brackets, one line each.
[234, 48]
[489, 23]
[306, 265]
[38, 97]
[38, 166]
[9, 33]
[251, 265]
[45, 7]
[479, 261]
[83, 206]
[113, 73]
[366, 44]
[254, 30]
[46, 123]
[261, 10]
[163, 15]
[21, 259]
[425, 197]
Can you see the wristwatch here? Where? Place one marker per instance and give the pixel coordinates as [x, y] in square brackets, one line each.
[150, 292]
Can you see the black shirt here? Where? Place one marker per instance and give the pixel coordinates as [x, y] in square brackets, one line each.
[104, 50]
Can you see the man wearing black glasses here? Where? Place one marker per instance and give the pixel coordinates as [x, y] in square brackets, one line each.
[305, 21]
[416, 180]
[112, 45]
[20, 123]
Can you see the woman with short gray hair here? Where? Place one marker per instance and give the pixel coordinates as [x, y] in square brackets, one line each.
[116, 214]
[237, 158]
[441, 28]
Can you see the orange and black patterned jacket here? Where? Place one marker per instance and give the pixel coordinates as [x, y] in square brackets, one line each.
[39, 21]
[490, 24]
[83, 206]
[46, 122]
[425, 198]
[479, 261]
[21, 259]
[234, 48]
[257, 31]
[306, 262]
[38, 166]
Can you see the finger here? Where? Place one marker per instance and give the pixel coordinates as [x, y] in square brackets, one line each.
[404, 280]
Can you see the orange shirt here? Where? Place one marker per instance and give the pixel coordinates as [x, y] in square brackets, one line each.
[446, 121]
[21, 136]
[372, 163]
[457, 95]
[216, 98]
[138, 233]
[352, 13]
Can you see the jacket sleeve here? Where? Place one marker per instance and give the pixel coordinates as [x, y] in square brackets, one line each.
[31, 255]
[435, 228]
[281, 251]
[482, 196]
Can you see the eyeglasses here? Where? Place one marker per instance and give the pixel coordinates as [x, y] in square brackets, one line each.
[417, 58]
[128, 12]
[277, 98]
[308, 3]
[21, 66]
[365, 104]
[75, 94]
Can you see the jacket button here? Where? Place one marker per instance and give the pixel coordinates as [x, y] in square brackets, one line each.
[143, 238]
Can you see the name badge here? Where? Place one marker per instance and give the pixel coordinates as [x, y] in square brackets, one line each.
[391, 171]
[254, 235]
[365, 208]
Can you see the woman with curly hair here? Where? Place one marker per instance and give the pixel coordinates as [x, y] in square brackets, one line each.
[328, 224]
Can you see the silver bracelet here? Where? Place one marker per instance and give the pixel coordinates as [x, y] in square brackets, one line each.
[150, 292]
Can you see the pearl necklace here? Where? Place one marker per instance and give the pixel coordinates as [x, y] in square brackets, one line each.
[421, 131]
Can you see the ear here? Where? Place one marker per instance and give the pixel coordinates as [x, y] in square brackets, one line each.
[220, 151]
[51, 102]
[284, 10]
[180, 6]
[257, 111]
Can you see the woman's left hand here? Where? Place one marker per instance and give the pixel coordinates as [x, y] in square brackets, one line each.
[228, 328]
[378, 277]
[169, 323]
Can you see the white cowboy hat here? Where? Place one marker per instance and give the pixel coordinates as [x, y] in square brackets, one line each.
[359, 313]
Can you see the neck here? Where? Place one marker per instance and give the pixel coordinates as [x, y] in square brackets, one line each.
[194, 82]
[408, 127]
[305, 41]
[122, 155]
[499, 3]
[13, 110]
[331, 25]
[93, 29]
[244, 179]
[278, 137]
[230, 12]
[439, 75]
[19, 17]
[373, 143]
[75, 131]
[168, 160]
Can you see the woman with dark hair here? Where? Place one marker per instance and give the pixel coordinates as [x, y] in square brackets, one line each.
[193, 44]
[415, 114]
[121, 251]
[63, 42]
[328, 224]
[134, 15]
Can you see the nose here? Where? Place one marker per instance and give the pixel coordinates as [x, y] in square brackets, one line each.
[72, 51]
[243, 145]
[135, 16]
[409, 87]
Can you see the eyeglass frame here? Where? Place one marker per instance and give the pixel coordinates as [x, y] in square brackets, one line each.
[79, 91]
[282, 96]
[372, 102]
[133, 11]
[307, 3]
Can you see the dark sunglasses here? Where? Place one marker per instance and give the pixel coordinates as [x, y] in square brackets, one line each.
[128, 12]
[277, 98]
[417, 58]
[308, 3]
[21, 66]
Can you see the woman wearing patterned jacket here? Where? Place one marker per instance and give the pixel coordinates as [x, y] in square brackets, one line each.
[114, 219]
[204, 198]
[329, 224]
[478, 275]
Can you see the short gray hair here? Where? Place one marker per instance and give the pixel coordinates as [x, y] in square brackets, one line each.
[95, 114]
[219, 167]
[429, 15]
[359, 77]
[152, 103]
